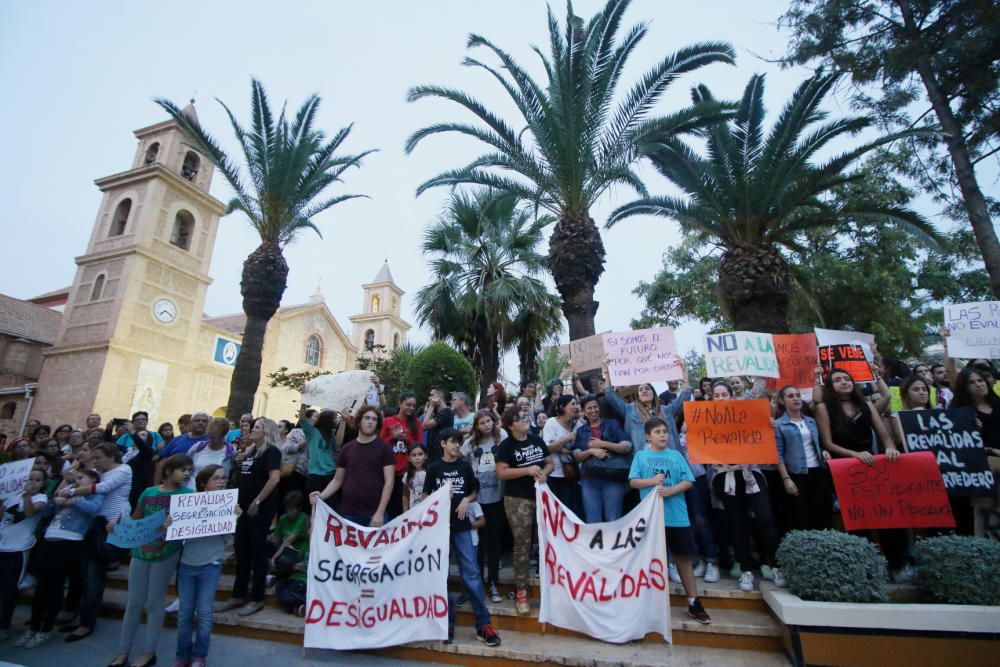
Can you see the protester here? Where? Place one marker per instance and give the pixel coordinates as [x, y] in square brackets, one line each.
[152, 565]
[18, 522]
[115, 487]
[559, 434]
[323, 435]
[413, 478]
[213, 451]
[522, 460]
[802, 465]
[182, 444]
[294, 462]
[166, 432]
[284, 545]
[454, 470]
[553, 391]
[366, 471]
[55, 556]
[496, 399]
[648, 405]
[742, 491]
[667, 471]
[437, 417]
[480, 450]
[401, 431]
[850, 427]
[257, 482]
[605, 457]
[197, 580]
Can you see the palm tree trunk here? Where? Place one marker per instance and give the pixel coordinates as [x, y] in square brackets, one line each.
[265, 275]
[491, 369]
[527, 358]
[753, 288]
[576, 260]
[954, 138]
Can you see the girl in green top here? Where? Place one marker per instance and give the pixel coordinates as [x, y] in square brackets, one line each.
[152, 565]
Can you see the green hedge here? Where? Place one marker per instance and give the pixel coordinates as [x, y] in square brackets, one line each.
[830, 566]
[439, 364]
[959, 570]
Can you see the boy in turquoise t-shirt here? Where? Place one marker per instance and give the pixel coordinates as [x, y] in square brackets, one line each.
[668, 471]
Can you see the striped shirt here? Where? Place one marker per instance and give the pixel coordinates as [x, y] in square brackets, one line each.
[115, 485]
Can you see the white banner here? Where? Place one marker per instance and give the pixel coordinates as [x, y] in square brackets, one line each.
[606, 580]
[13, 477]
[741, 353]
[376, 587]
[975, 330]
[825, 337]
[202, 514]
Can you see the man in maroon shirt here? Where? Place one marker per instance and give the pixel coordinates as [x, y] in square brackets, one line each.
[365, 473]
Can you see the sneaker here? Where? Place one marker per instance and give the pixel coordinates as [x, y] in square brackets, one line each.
[766, 572]
[300, 611]
[250, 608]
[495, 596]
[451, 635]
[746, 581]
[229, 605]
[269, 580]
[462, 600]
[23, 639]
[711, 573]
[173, 607]
[38, 639]
[699, 569]
[780, 579]
[698, 613]
[197, 662]
[522, 605]
[488, 635]
[735, 571]
[675, 576]
[903, 575]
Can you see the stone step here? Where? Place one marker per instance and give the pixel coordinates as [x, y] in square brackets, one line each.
[724, 594]
[758, 640]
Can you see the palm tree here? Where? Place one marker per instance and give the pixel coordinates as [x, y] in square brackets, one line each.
[575, 141]
[486, 267]
[532, 328]
[752, 195]
[289, 164]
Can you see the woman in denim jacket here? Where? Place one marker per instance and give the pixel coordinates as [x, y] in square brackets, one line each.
[802, 465]
[647, 405]
[604, 455]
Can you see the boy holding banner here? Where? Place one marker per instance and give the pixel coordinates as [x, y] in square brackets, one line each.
[667, 471]
[452, 468]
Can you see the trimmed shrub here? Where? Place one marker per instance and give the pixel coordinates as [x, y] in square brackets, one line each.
[959, 570]
[439, 364]
[830, 566]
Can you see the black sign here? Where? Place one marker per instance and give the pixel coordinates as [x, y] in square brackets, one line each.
[954, 438]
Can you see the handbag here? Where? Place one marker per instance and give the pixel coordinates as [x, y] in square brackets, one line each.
[571, 471]
[97, 545]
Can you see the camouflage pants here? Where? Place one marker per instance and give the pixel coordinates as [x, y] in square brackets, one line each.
[521, 517]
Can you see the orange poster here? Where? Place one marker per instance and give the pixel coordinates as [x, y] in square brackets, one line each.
[850, 358]
[797, 360]
[730, 431]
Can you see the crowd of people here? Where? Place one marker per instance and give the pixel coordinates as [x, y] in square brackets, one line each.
[600, 450]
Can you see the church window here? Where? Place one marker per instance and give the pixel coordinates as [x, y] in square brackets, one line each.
[7, 411]
[395, 304]
[151, 153]
[376, 303]
[98, 290]
[183, 230]
[370, 340]
[120, 219]
[314, 350]
[395, 341]
[189, 169]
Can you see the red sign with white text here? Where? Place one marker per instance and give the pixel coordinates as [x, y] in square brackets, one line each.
[907, 493]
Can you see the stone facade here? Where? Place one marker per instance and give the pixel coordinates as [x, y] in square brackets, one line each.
[379, 322]
[132, 334]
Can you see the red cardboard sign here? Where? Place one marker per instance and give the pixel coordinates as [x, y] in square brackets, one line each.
[908, 493]
[797, 360]
[847, 357]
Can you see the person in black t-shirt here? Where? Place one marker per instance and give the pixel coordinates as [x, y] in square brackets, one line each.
[522, 460]
[464, 489]
[437, 417]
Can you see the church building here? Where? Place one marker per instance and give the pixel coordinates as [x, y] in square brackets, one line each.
[132, 333]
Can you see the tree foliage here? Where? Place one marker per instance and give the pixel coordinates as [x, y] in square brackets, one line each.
[878, 279]
[391, 367]
[439, 364]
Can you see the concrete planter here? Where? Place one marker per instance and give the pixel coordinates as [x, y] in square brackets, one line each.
[887, 634]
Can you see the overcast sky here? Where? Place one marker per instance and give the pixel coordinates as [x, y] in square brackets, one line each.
[79, 78]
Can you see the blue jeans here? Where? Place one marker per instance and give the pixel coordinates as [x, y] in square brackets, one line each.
[699, 503]
[602, 499]
[468, 568]
[196, 584]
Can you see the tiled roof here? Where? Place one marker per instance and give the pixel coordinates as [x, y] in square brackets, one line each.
[237, 322]
[27, 320]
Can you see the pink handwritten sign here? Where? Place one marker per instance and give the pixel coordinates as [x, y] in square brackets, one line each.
[645, 355]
